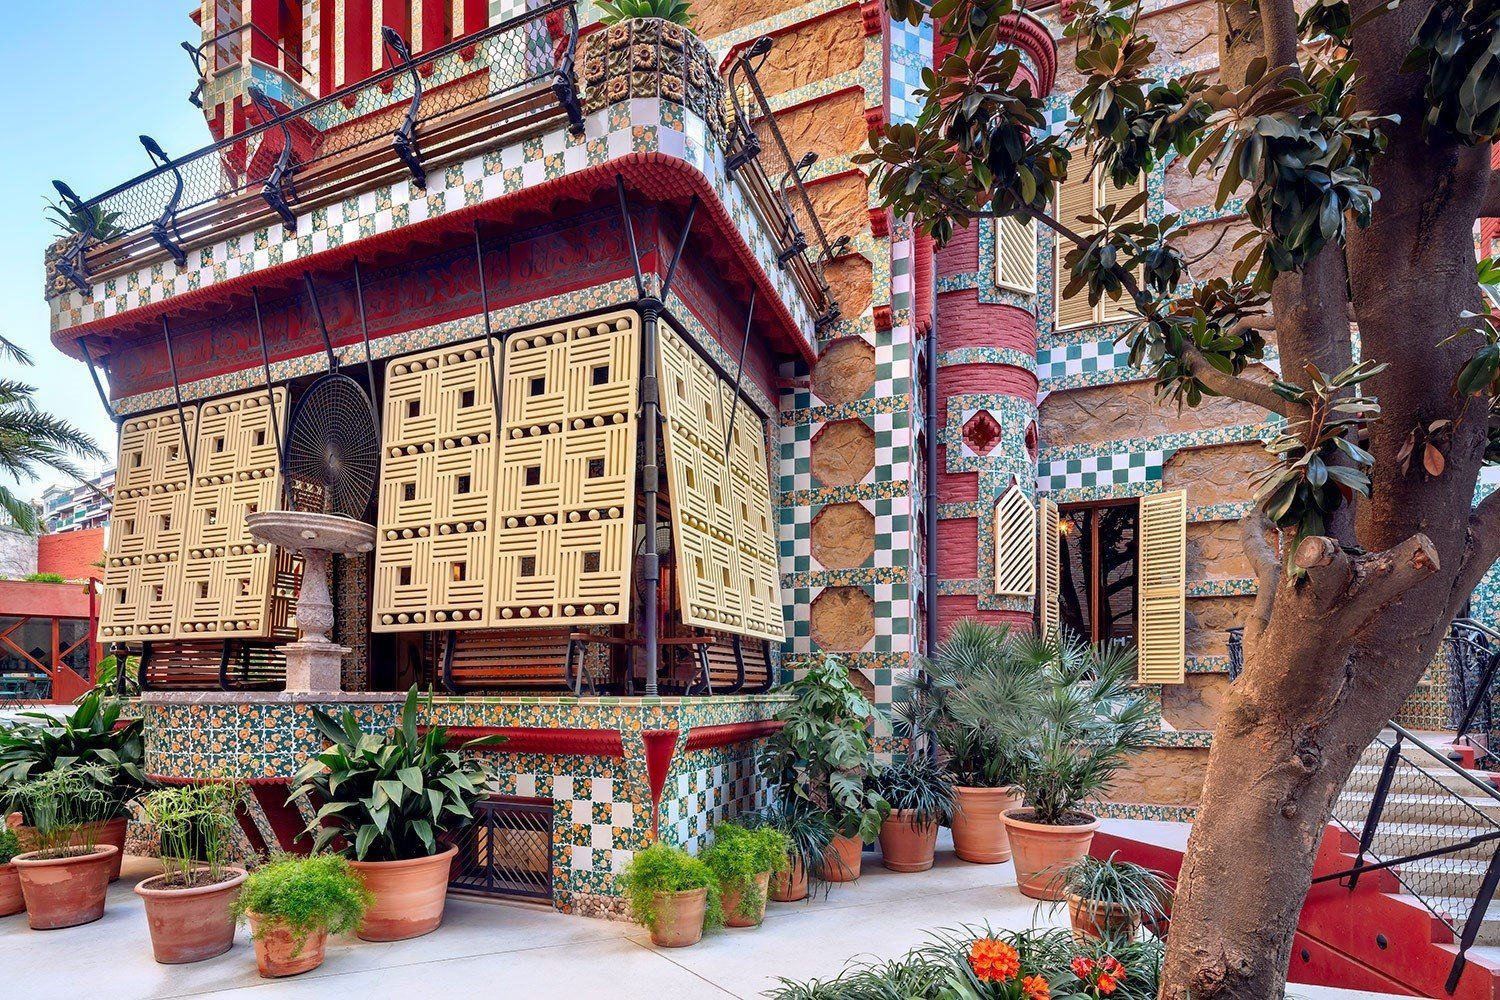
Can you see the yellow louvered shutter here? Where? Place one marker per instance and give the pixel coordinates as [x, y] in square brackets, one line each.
[1162, 594]
[1015, 255]
[1076, 198]
[1050, 565]
[1015, 545]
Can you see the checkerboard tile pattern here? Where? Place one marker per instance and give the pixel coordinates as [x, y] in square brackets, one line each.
[911, 50]
[1113, 469]
[710, 787]
[1064, 360]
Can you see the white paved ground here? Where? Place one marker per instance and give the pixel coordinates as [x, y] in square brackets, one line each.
[514, 950]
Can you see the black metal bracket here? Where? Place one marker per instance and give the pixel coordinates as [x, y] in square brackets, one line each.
[164, 230]
[265, 364]
[312, 296]
[405, 139]
[749, 142]
[278, 190]
[829, 316]
[565, 80]
[98, 385]
[195, 98]
[70, 265]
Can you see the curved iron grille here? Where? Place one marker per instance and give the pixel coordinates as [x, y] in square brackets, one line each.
[333, 446]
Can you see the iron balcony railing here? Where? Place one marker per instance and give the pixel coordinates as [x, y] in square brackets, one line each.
[1432, 825]
[512, 77]
[1473, 654]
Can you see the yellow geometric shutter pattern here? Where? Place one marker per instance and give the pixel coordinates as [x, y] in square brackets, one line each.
[1079, 197]
[1015, 545]
[1162, 590]
[720, 500]
[1015, 255]
[1049, 566]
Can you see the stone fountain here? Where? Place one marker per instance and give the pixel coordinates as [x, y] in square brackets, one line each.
[313, 662]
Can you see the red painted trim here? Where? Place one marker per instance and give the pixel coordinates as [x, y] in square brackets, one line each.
[706, 737]
[660, 745]
[286, 822]
[1031, 36]
[563, 742]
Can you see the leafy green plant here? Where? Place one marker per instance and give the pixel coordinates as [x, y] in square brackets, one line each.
[106, 677]
[66, 222]
[92, 739]
[822, 756]
[808, 833]
[389, 797]
[1086, 721]
[738, 854]
[44, 578]
[10, 845]
[305, 895]
[662, 868]
[1123, 884]
[195, 826]
[920, 783]
[65, 808]
[674, 11]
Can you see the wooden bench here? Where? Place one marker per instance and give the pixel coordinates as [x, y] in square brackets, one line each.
[480, 660]
[217, 665]
[714, 664]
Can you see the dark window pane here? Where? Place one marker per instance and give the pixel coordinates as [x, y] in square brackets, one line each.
[1076, 564]
[1097, 552]
[1117, 548]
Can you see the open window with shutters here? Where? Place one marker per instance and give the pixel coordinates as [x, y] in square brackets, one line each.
[1079, 197]
[1015, 255]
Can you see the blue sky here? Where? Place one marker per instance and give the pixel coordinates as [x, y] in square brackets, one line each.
[82, 79]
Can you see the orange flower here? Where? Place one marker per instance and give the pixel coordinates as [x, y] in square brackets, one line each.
[992, 960]
[1114, 968]
[1106, 984]
[1082, 966]
[1036, 988]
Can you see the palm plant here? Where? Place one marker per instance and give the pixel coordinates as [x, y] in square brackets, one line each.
[674, 11]
[31, 439]
[94, 220]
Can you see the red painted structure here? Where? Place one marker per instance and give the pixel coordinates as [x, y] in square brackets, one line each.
[47, 651]
[73, 555]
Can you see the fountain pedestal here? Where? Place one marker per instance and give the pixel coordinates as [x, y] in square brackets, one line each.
[313, 663]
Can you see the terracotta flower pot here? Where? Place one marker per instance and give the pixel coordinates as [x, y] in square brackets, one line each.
[905, 846]
[790, 885]
[190, 925]
[679, 918]
[733, 917]
[1101, 921]
[107, 832]
[978, 830]
[1041, 850]
[409, 896]
[841, 859]
[11, 900]
[65, 892]
[277, 953]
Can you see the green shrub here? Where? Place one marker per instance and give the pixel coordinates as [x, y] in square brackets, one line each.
[1121, 883]
[738, 854]
[662, 868]
[305, 895]
[44, 578]
[195, 826]
[87, 740]
[675, 11]
[919, 783]
[10, 845]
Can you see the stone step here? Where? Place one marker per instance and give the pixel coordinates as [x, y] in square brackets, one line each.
[1436, 808]
[1454, 879]
[1458, 911]
[1365, 777]
[1401, 839]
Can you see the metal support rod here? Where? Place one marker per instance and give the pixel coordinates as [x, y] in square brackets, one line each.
[650, 310]
[265, 366]
[187, 448]
[489, 333]
[635, 256]
[98, 385]
[930, 463]
[1377, 806]
[1476, 918]
[1480, 696]
[364, 332]
[312, 294]
[687, 227]
[739, 373]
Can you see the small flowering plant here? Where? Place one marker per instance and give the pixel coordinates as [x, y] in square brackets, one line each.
[1098, 978]
[995, 969]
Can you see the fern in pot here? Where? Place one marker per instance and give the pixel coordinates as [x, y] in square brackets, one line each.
[743, 859]
[388, 802]
[673, 893]
[1108, 899]
[293, 903]
[921, 797]
[190, 905]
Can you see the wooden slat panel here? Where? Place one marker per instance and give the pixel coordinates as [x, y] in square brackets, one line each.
[1075, 200]
[1050, 567]
[1015, 255]
[1162, 597]
[1015, 545]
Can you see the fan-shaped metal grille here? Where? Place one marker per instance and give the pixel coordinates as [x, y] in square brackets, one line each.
[333, 443]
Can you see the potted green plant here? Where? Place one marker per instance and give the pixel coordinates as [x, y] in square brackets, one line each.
[293, 903]
[11, 900]
[672, 893]
[1108, 899]
[921, 797]
[743, 860]
[808, 834]
[1004, 667]
[190, 905]
[1086, 721]
[389, 801]
[822, 757]
[671, 11]
[91, 737]
[65, 878]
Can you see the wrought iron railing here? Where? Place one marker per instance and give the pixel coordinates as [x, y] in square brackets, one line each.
[507, 851]
[1432, 825]
[1473, 654]
[422, 110]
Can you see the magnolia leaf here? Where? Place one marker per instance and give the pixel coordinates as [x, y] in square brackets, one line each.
[1432, 460]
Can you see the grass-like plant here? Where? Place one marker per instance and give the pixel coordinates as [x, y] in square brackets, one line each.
[65, 808]
[675, 11]
[1124, 884]
[389, 797]
[91, 738]
[305, 895]
[920, 783]
[195, 825]
[10, 845]
[808, 833]
[738, 854]
[662, 868]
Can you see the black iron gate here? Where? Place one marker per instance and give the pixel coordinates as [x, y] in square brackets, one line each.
[508, 850]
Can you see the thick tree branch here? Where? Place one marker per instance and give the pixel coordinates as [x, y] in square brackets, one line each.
[1254, 527]
[1361, 585]
[1481, 549]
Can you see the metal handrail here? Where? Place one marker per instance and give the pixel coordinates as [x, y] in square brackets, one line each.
[222, 169]
[1467, 637]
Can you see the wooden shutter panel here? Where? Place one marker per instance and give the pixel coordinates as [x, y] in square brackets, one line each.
[1162, 595]
[1048, 607]
[1015, 545]
[1115, 310]
[1015, 255]
[1075, 199]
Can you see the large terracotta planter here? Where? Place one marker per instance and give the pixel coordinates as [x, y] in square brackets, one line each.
[65, 892]
[190, 925]
[110, 832]
[979, 832]
[277, 953]
[841, 859]
[733, 917]
[409, 896]
[11, 900]
[1092, 919]
[790, 885]
[1042, 850]
[906, 846]
[679, 918]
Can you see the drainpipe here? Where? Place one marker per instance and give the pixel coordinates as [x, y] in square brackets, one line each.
[650, 310]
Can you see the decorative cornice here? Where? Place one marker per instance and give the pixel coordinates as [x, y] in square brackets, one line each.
[708, 737]
[1027, 33]
[563, 742]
